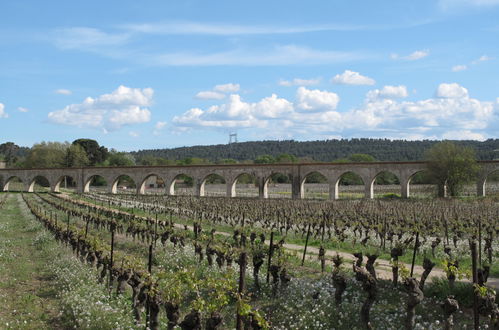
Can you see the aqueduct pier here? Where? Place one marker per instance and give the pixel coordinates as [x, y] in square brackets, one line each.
[230, 173]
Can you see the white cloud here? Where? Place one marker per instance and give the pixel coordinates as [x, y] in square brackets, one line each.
[316, 100]
[63, 91]
[457, 68]
[352, 78]
[482, 58]
[453, 90]
[451, 113]
[209, 95]
[299, 82]
[124, 106]
[21, 109]
[416, 55]
[133, 134]
[388, 92]
[227, 88]
[160, 125]
[3, 114]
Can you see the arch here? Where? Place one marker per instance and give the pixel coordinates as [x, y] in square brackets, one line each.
[385, 184]
[65, 181]
[354, 182]
[243, 185]
[123, 183]
[491, 183]
[314, 186]
[278, 185]
[39, 184]
[213, 184]
[152, 183]
[182, 184]
[95, 183]
[13, 183]
[420, 184]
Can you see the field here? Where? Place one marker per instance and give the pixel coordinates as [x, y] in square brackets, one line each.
[126, 261]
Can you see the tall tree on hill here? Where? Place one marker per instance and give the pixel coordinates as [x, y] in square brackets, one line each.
[451, 166]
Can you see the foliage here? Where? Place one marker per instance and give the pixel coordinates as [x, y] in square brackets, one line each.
[47, 154]
[95, 153]
[451, 166]
[117, 158]
[76, 156]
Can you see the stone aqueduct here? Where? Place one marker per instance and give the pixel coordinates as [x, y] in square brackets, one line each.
[262, 172]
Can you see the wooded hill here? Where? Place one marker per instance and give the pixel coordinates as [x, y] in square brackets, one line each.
[323, 151]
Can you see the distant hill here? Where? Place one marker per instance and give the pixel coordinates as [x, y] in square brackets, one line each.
[323, 151]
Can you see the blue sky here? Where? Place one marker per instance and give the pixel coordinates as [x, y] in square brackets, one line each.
[156, 74]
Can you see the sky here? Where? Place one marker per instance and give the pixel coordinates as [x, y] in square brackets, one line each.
[160, 74]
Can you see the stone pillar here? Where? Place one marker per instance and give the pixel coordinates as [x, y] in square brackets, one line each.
[480, 187]
[199, 192]
[296, 186]
[80, 183]
[231, 188]
[170, 188]
[333, 190]
[113, 187]
[262, 188]
[404, 186]
[369, 189]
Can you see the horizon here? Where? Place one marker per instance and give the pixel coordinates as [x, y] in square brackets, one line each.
[173, 75]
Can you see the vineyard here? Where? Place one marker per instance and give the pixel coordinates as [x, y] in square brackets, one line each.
[181, 262]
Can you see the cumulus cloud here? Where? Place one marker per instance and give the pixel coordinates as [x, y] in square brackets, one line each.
[22, 109]
[124, 106]
[299, 82]
[160, 125]
[451, 113]
[63, 91]
[388, 92]
[453, 90]
[457, 68]
[483, 58]
[416, 55]
[218, 92]
[316, 100]
[3, 114]
[352, 78]
[133, 134]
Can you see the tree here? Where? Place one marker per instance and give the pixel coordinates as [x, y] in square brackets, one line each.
[451, 166]
[119, 159]
[76, 156]
[47, 154]
[95, 153]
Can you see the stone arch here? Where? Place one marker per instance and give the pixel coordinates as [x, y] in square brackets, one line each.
[151, 181]
[95, 181]
[278, 185]
[212, 179]
[185, 184]
[123, 182]
[39, 183]
[354, 181]
[385, 178]
[490, 184]
[67, 181]
[16, 182]
[250, 183]
[314, 185]
[420, 184]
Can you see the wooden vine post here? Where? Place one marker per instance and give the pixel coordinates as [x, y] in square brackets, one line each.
[271, 251]
[306, 244]
[476, 315]
[111, 258]
[414, 253]
[243, 259]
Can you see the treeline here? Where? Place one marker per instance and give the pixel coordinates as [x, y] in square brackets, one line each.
[88, 152]
[321, 151]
